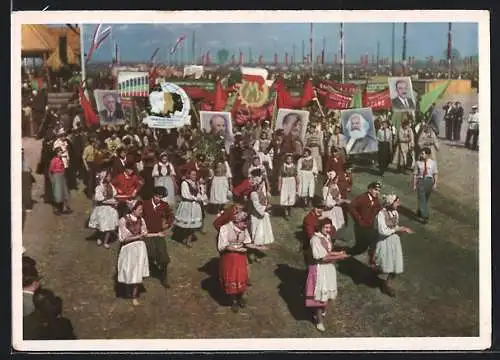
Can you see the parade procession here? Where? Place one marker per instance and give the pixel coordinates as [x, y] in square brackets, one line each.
[203, 188]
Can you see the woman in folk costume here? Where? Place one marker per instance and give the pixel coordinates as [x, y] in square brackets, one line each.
[233, 242]
[104, 217]
[60, 189]
[260, 219]
[221, 187]
[388, 251]
[404, 147]
[261, 146]
[189, 215]
[256, 164]
[164, 176]
[321, 284]
[332, 198]
[288, 185]
[133, 263]
[315, 143]
[307, 170]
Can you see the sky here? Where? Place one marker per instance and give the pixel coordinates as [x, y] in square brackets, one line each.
[137, 42]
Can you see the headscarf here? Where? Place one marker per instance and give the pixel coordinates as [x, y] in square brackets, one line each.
[389, 200]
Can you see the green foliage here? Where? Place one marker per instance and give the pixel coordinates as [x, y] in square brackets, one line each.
[212, 146]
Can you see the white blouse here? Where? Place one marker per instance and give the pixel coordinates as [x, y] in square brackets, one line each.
[186, 192]
[318, 250]
[123, 233]
[381, 225]
[160, 169]
[261, 209]
[99, 194]
[432, 169]
[230, 235]
[314, 168]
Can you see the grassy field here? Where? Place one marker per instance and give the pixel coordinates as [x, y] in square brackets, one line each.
[438, 295]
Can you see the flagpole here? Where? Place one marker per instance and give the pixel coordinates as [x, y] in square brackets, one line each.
[449, 51]
[342, 60]
[403, 55]
[393, 47]
[311, 45]
[82, 59]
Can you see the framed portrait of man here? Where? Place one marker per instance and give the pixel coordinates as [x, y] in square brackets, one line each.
[109, 107]
[292, 122]
[218, 123]
[359, 130]
[401, 92]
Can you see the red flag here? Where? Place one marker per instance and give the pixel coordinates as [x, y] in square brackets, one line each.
[379, 100]
[220, 97]
[88, 112]
[308, 93]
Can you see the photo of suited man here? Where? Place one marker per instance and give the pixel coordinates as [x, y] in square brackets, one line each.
[109, 107]
[401, 94]
[218, 123]
[359, 131]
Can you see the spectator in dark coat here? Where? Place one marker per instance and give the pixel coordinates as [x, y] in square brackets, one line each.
[46, 322]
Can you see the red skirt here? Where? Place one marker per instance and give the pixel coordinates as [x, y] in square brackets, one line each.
[233, 273]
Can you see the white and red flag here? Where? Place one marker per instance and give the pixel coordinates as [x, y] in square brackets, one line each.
[100, 34]
[179, 41]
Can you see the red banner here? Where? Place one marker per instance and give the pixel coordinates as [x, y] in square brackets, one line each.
[329, 85]
[243, 114]
[334, 100]
[379, 100]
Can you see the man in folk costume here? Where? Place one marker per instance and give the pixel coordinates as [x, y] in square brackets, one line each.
[260, 218]
[363, 209]
[321, 283]
[233, 242]
[189, 214]
[314, 141]
[133, 264]
[164, 176]
[404, 148]
[384, 138]
[335, 161]
[428, 139]
[388, 251]
[127, 185]
[288, 184]
[425, 176]
[345, 185]
[120, 162]
[307, 171]
[159, 218]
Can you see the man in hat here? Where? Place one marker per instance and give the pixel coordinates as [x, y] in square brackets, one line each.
[473, 129]
[363, 209]
[31, 283]
[158, 217]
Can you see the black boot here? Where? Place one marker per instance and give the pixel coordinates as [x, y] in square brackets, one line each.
[164, 277]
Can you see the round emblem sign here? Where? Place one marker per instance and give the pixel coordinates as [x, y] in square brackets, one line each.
[253, 94]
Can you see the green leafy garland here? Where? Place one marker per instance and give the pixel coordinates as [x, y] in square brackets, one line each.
[211, 146]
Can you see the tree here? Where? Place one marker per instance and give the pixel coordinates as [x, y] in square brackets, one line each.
[222, 56]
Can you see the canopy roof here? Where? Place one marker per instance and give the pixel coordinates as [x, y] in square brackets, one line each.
[36, 39]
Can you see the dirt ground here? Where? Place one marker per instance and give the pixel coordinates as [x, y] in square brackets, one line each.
[438, 295]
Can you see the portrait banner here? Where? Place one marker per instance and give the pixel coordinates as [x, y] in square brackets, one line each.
[109, 107]
[359, 130]
[218, 123]
[133, 83]
[169, 107]
[401, 92]
[292, 122]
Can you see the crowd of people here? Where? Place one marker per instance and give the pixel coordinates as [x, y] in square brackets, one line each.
[146, 185]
